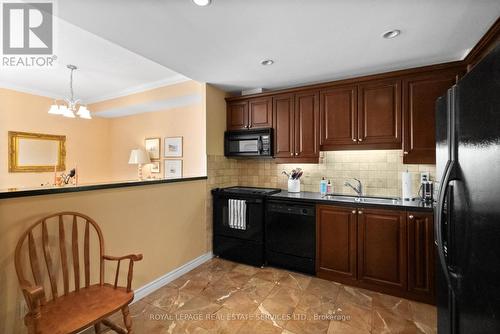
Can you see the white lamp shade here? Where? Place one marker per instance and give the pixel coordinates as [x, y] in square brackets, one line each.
[139, 156]
[66, 112]
[54, 110]
[83, 112]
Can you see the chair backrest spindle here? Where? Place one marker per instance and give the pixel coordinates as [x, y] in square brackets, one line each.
[48, 260]
[86, 255]
[64, 255]
[76, 257]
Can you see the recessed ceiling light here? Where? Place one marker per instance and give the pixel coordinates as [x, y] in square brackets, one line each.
[267, 62]
[202, 3]
[391, 34]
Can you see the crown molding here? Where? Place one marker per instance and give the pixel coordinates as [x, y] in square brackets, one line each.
[31, 91]
[179, 78]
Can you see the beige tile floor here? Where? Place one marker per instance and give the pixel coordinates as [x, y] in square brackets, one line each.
[226, 297]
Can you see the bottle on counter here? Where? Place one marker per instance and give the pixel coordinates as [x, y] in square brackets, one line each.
[323, 186]
[329, 188]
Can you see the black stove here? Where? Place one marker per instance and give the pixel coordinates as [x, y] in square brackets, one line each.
[238, 223]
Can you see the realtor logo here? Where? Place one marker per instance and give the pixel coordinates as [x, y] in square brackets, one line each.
[27, 29]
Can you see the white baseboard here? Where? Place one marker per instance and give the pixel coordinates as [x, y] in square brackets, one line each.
[145, 290]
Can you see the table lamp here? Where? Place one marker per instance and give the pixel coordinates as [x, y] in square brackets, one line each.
[139, 157]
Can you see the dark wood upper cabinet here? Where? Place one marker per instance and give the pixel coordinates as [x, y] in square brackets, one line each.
[336, 243]
[253, 113]
[421, 254]
[419, 109]
[237, 115]
[284, 125]
[382, 249]
[260, 113]
[338, 117]
[379, 114]
[307, 125]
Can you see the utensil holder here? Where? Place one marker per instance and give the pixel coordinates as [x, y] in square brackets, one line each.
[293, 186]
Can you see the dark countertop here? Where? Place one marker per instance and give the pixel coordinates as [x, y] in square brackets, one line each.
[23, 192]
[313, 197]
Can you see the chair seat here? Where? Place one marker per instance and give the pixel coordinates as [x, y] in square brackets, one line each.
[81, 309]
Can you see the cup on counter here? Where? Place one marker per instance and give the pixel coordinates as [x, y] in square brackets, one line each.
[293, 186]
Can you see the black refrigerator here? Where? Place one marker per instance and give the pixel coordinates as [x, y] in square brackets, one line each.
[467, 222]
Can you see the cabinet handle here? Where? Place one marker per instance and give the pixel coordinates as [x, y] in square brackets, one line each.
[405, 152]
[296, 154]
[354, 139]
[353, 212]
[411, 216]
[360, 212]
[360, 139]
[291, 154]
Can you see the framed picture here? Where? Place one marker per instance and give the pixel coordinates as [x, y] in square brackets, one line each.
[155, 166]
[173, 147]
[173, 169]
[153, 147]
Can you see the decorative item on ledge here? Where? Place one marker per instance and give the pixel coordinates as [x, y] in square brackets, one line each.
[72, 105]
[139, 157]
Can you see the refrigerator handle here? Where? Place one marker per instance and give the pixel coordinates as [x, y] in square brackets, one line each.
[439, 213]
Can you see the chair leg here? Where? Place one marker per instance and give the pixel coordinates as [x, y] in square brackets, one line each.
[97, 328]
[127, 319]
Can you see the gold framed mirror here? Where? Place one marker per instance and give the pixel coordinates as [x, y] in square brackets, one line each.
[36, 152]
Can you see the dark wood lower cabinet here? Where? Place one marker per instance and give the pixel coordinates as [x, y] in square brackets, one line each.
[336, 243]
[421, 255]
[384, 250]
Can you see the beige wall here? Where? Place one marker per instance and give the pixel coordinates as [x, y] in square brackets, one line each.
[216, 119]
[85, 142]
[127, 133]
[166, 223]
[101, 146]
[217, 170]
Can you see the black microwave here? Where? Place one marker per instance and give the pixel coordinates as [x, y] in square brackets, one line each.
[249, 143]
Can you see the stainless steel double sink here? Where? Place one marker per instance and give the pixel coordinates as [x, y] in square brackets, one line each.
[362, 199]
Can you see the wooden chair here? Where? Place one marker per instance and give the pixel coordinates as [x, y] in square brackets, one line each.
[74, 309]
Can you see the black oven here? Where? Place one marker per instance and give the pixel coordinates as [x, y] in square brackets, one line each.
[248, 143]
[238, 223]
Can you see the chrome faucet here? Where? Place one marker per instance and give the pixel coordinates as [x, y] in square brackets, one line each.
[358, 189]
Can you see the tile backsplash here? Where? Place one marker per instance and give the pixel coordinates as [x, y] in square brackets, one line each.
[379, 171]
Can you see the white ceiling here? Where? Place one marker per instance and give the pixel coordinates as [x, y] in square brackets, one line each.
[310, 40]
[106, 70]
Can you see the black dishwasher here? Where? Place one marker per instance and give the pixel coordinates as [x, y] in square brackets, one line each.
[290, 235]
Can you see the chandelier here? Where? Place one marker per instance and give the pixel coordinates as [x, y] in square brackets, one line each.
[72, 106]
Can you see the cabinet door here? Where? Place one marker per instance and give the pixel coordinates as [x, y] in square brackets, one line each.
[336, 243]
[421, 254]
[382, 249]
[379, 114]
[237, 115]
[419, 110]
[260, 113]
[283, 125]
[338, 117]
[307, 125]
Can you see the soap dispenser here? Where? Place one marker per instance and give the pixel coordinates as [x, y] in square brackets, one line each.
[323, 186]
